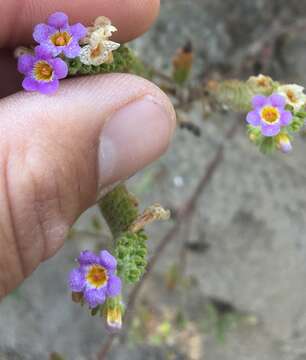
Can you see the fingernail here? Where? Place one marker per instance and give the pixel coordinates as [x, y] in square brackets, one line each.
[134, 136]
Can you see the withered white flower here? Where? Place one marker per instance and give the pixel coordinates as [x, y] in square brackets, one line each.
[98, 48]
[294, 95]
[105, 23]
[261, 81]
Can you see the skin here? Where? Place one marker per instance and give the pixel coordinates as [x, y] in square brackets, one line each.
[48, 157]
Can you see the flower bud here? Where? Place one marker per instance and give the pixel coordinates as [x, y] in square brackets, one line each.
[114, 319]
[284, 143]
[113, 312]
[252, 137]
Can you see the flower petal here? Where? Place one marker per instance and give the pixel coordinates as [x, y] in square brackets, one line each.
[60, 68]
[107, 260]
[87, 258]
[259, 101]
[286, 118]
[78, 31]
[270, 129]
[42, 32]
[114, 286]
[30, 84]
[72, 50]
[44, 52]
[48, 87]
[76, 280]
[253, 118]
[94, 297]
[277, 100]
[25, 63]
[58, 20]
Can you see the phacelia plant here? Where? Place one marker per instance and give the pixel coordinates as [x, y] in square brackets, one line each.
[274, 114]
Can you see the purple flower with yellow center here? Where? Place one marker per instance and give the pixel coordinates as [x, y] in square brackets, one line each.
[59, 37]
[95, 278]
[269, 114]
[42, 72]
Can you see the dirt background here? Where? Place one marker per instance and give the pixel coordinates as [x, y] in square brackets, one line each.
[240, 291]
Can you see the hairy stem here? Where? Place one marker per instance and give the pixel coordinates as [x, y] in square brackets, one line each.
[120, 209]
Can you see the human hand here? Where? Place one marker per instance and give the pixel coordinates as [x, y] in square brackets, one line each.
[59, 153]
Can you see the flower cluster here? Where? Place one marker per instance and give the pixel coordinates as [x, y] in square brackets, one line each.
[58, 41]
[46, 66]
[276, 115]
[95, 280]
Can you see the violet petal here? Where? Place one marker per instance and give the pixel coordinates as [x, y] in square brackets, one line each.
[78, 31]
[76, 280]
[270, 129]
[107, 260]
[114, 286]
[48, 87]
[253, 118]
[87, 258]
[286, 118]
[25, 63]
[42, 32]
[259, 101]
[60, 68]
[94, 297]
[72, 50]
[30, 84]
[277, 100]
[58, 20]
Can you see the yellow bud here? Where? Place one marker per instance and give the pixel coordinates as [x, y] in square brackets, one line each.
[283, 143]
[252, 137]
[114, 317]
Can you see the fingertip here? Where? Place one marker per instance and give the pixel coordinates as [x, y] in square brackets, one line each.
[142, 15]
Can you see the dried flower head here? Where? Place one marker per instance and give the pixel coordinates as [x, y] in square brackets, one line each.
[294, 95]
[95, 278]
[22, 50]
[151, 214]
[105, 27]
[98, 48]
[42, 72]
[269, 114]
[60, 37]
[261, 81]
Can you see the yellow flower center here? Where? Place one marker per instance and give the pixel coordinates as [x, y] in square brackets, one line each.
[97, 276]
[61, 38]
[270, 114]
[291, 96]
[43, 71]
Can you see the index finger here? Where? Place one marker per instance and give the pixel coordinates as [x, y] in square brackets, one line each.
[18, 17]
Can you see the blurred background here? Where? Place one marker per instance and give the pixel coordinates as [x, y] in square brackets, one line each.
[231, 283]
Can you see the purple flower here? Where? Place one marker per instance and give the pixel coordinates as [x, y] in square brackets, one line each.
[42, 72]
[95, 277]
[269, 113]
[59, 37]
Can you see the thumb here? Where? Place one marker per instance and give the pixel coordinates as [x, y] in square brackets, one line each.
[59, 153]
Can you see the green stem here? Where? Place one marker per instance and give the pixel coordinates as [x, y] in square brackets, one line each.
[120, 209]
